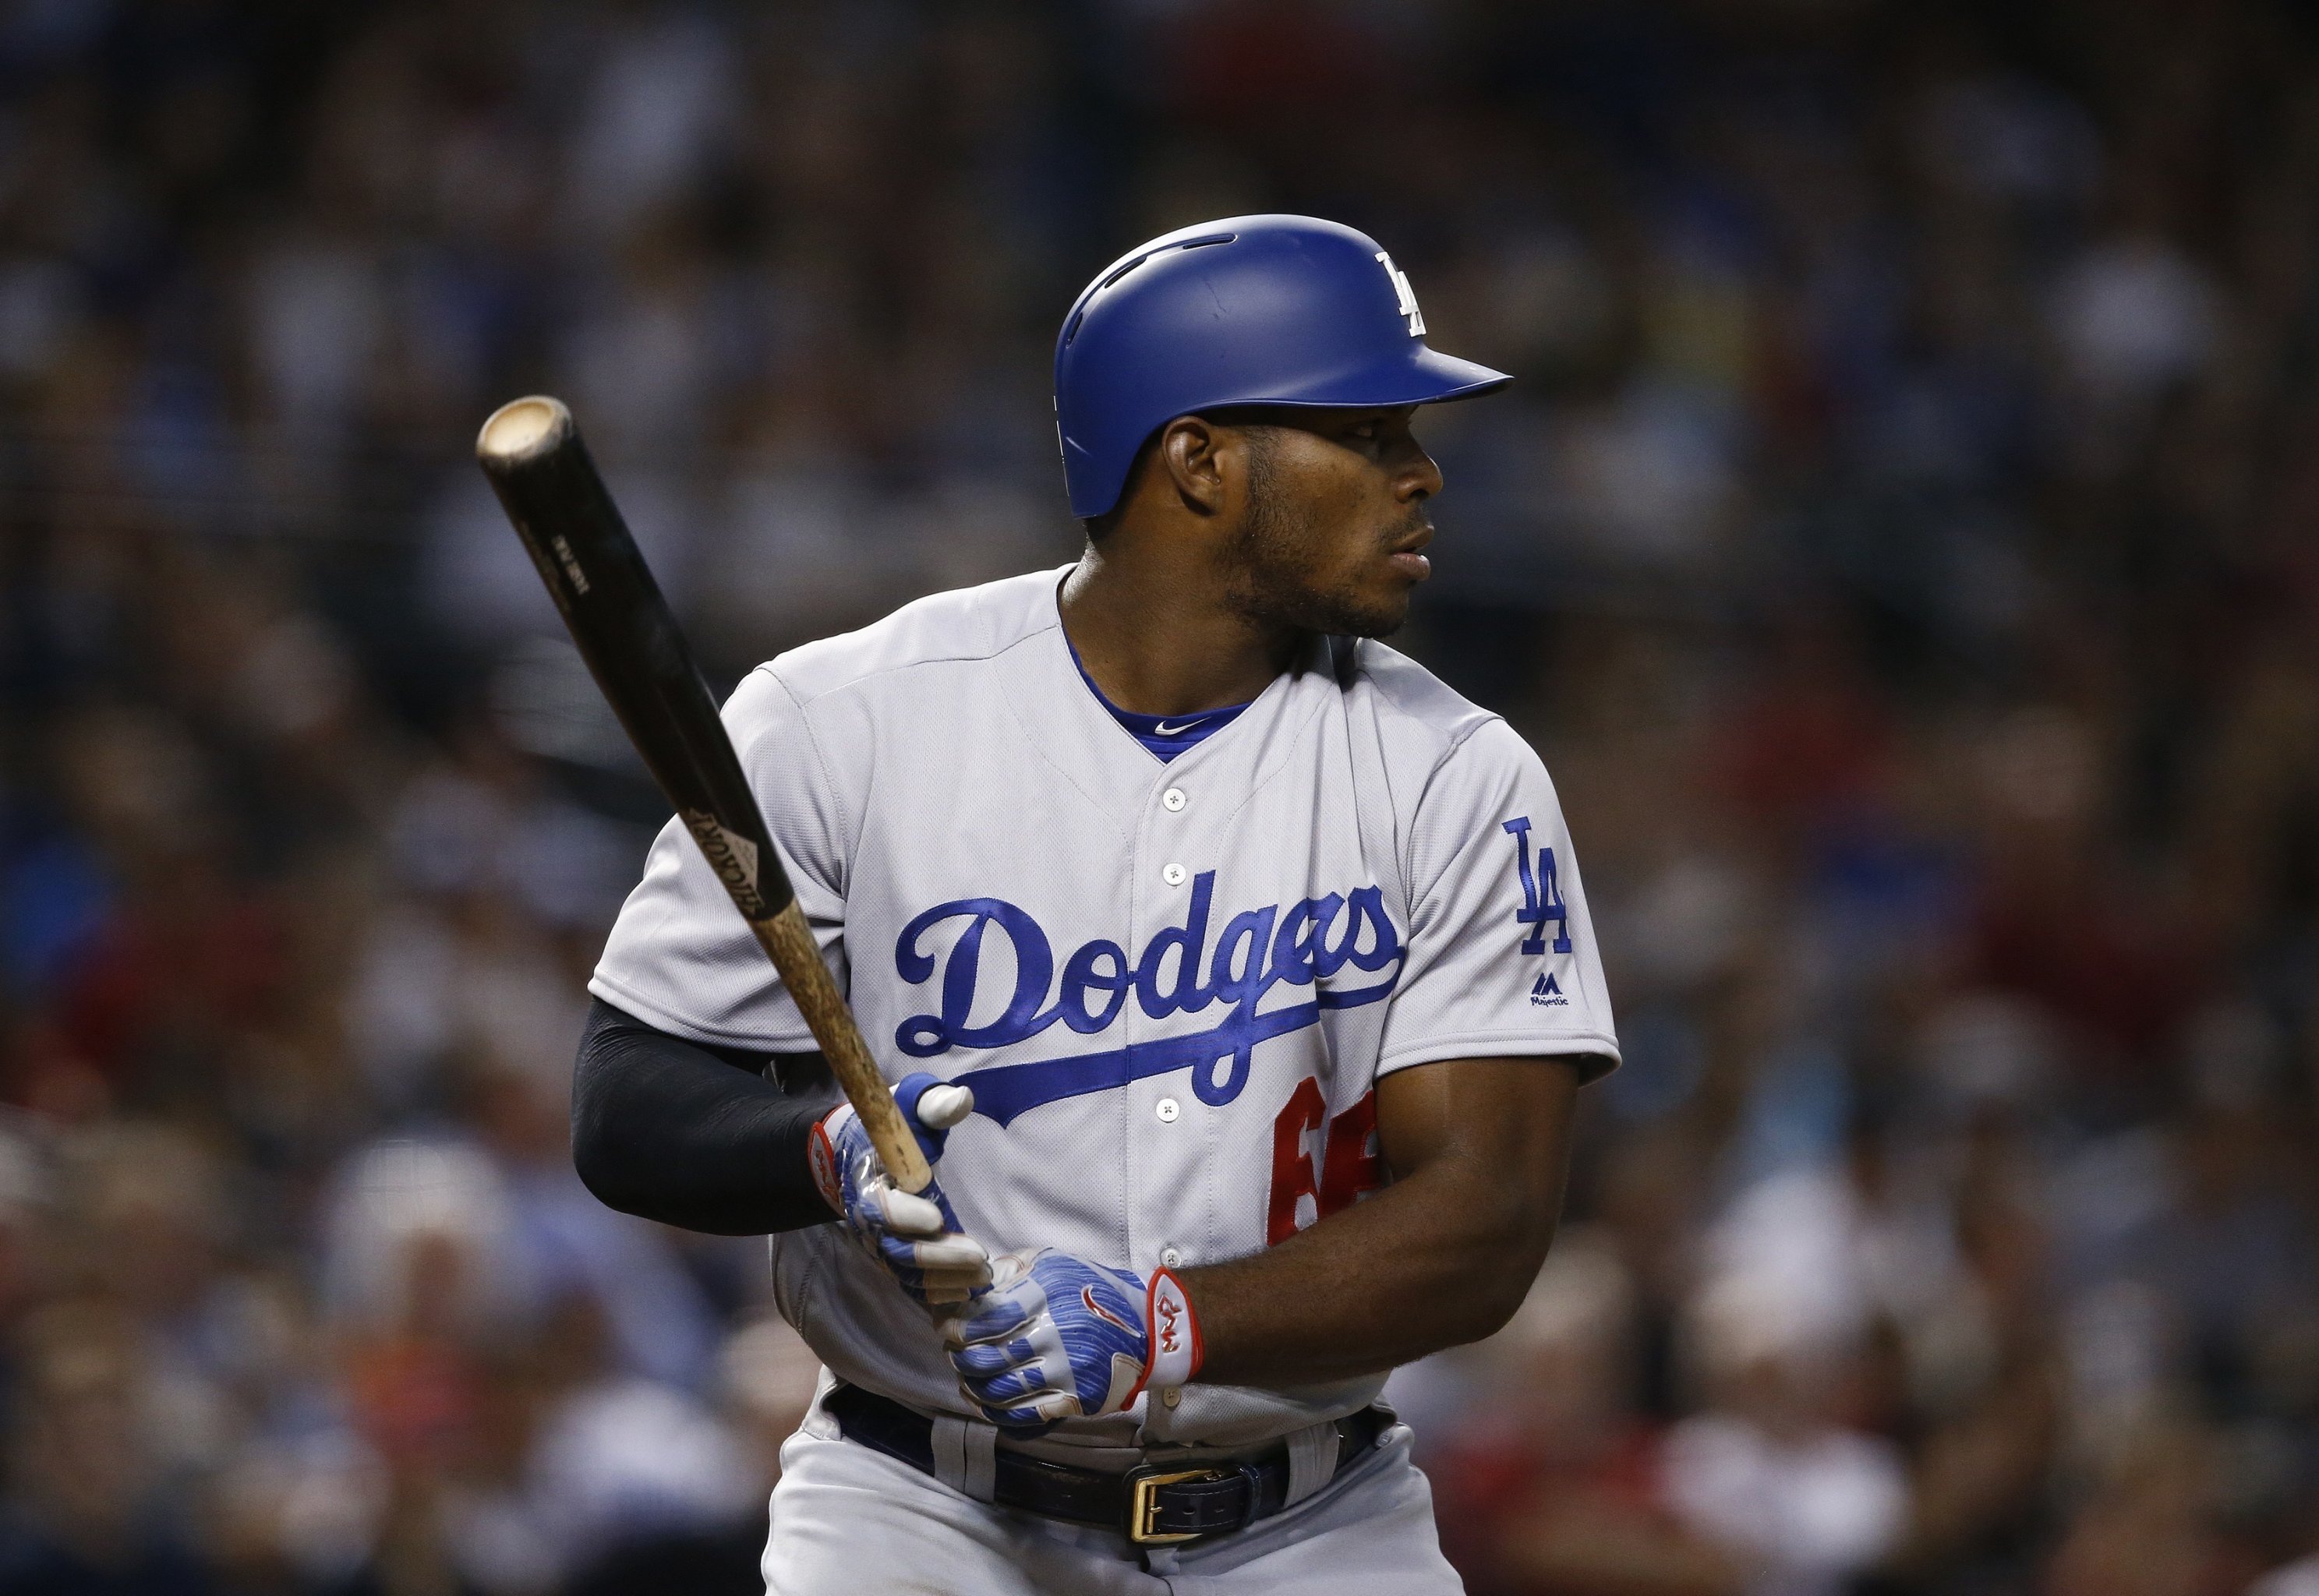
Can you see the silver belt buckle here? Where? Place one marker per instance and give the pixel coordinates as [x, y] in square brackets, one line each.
[1143, 1504]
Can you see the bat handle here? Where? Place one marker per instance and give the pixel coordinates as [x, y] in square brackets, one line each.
[788, 942]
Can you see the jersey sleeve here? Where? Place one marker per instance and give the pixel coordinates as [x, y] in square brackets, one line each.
[681, 958]
[1502, 960]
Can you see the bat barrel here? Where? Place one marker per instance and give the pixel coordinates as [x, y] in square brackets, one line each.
[532, 452]
[540, 467]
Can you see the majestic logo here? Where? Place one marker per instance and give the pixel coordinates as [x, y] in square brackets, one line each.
[1541, 896]
[1305, 945]
[1404, 294]
[1547, 993]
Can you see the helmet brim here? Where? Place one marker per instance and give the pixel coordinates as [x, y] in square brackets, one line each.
[1415, 376]
[1422, 376]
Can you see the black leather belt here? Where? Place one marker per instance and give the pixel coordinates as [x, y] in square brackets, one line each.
[1154, 1505]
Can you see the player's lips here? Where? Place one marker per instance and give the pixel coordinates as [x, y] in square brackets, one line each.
[1407, 556]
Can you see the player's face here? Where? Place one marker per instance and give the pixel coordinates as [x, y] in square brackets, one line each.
[1336, 526]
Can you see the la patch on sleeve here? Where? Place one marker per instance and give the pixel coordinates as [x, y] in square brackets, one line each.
[1541, 896]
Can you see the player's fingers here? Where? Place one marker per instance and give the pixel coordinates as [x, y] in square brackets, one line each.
[953, 1254]
[950, 1220]
[1003, 1313]
[992, 1359]
[965, 1280]
[1048, 1409]
[942, 1107]
[957, 1285]
[1015, 1386]
[1011, 1267]
[906, 1213]
[981, 1363]
[957, 1260]
[957, 1272]
[978, 1330]
[986, 1360]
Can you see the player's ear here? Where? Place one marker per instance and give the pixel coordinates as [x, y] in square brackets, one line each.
[1191, 451]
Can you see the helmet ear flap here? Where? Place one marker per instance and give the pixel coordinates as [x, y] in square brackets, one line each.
[1100, 527]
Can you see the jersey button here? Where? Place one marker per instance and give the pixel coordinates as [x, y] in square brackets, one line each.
[1173, 874]
[1173, 800]
[1171, 1257]
[1167, 1108]
[1172, 1395]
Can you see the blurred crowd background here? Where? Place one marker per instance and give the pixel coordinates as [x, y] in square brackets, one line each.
[1900, 543]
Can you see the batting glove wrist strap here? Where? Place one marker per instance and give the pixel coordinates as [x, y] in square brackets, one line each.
[1176, 1349]
[821, 1160]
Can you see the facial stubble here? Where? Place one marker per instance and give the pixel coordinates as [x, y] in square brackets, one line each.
[1278, 547]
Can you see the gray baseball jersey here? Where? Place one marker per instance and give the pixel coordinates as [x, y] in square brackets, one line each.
[1173, 987]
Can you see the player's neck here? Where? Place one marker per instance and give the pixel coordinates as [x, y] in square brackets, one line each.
[1159, 642]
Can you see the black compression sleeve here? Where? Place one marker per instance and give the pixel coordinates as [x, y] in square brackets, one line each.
[689, 1135]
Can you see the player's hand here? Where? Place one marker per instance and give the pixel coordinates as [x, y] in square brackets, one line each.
[1057, 1336]
[916, 1235]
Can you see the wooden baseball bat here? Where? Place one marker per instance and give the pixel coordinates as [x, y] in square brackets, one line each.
[531, 451]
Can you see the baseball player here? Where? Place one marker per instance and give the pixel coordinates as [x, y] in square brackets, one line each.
[1235, 972]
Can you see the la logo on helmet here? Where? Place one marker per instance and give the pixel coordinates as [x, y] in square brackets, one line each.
[1404, 293]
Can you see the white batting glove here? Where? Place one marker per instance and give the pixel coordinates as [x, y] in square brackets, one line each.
[1058, 1337]
[916, 1235]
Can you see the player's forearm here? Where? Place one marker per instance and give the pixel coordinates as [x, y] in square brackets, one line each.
[668, 1130]
[1381, 1284]
[1417, 1267]
[1442, 1257]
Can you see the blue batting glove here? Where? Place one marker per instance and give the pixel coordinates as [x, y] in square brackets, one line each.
[1058, 1336]
[916, 1235]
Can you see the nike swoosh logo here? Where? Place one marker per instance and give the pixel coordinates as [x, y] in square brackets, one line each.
[1162, 729]
[1086, 1295]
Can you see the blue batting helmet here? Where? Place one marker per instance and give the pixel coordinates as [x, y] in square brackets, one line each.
[1251, 310]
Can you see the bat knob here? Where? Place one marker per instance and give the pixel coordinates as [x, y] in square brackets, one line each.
[522, 428]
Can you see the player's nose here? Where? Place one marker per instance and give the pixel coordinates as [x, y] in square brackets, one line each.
[1419, 478]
